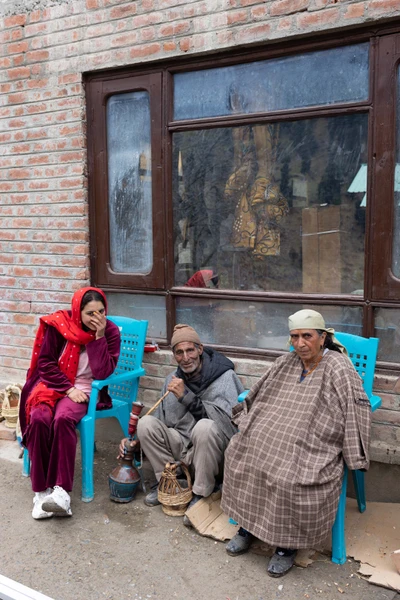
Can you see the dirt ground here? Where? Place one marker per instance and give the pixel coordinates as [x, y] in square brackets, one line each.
[129, 551]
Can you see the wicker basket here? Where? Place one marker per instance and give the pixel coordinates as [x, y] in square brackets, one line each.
[10, 408]
[173, 496]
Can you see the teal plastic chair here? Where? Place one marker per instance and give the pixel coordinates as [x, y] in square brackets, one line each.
[123, 386]
[362, 353]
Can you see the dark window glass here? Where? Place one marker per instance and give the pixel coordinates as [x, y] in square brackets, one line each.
[271, 207]
[309, 79]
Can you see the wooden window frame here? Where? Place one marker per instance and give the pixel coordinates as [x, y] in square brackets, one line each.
[381, 288]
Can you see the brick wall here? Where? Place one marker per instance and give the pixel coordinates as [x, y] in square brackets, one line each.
[43, 186]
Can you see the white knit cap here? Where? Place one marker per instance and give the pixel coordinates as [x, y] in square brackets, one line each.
[311, 319]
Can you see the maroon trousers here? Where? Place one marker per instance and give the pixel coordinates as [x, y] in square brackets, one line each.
[51, 442]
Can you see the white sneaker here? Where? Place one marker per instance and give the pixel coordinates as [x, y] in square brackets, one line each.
[38, 512]
[58, 502]
[42, 495]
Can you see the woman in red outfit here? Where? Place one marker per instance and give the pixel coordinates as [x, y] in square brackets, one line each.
[71, 349]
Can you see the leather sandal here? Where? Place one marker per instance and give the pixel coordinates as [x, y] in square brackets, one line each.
[280, 563]
[240, 543]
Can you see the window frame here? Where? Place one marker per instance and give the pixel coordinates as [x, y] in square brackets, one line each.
[380, 290]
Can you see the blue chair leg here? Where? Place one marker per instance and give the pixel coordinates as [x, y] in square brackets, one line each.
[26, 464]
[86, 429]
[338, 533]
[358, 480]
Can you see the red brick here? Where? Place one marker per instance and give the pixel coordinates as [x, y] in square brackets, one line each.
[92, 4]
[319, 19]
[7, 282]
[37, 83]
[148, 34]
[147, 50]
[18, 60]
[16, 123]
[379, 7]
[259, 12]
[354, 11]
[25, 319]
[17, 47]
[185, 44]
[37, 55]
[121, 12]
[285, 23]
[254, 32]
[169, 46]
[18, 173]
[238, 16]
[18, 98]
[286, 7]
[15, 21]
[19, 73]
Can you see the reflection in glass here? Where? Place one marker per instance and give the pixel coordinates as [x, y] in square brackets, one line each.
[309, 79]
[387, 329]
[256, 324]
[129, 183]
[141, 307]
[270, 207]
[396, 211]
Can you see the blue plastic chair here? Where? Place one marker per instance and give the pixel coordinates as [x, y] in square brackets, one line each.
[123, 386]
[362, 353]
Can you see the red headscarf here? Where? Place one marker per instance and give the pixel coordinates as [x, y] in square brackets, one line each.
[70, 326]
[200, 278]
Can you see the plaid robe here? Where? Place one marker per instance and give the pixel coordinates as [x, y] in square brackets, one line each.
[284, 469]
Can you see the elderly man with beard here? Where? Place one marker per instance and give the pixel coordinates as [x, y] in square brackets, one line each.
[193, 422]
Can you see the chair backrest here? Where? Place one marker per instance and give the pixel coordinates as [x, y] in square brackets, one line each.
[133, 339]
[362, 353]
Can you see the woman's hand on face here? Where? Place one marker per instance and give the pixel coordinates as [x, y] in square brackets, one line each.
[77, 396]
[99, 322]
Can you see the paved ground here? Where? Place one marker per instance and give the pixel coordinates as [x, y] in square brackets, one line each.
[114, 552]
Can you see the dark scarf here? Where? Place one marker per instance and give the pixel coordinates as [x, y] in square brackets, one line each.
[213, 365]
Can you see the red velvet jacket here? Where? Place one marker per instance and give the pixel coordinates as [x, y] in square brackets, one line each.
[103, 357]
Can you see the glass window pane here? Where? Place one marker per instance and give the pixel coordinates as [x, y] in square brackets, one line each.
[272, 207]
[387, 329]
[129, 183]
[142, 307]
[256, 324]
[396, 220]
[309, 79]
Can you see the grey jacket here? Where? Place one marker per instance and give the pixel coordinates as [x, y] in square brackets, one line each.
[218, 400]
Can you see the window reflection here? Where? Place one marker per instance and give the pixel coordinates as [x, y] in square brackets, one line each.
[309, 79]
[256, 324]
[270, 207]
[129, 183]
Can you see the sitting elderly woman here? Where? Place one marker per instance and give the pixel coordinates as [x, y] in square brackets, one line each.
[71, 349]
[299, 425]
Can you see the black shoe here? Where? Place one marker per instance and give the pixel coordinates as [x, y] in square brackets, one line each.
[152, 497]
[281, 562]
[240, 543]
[194, 500]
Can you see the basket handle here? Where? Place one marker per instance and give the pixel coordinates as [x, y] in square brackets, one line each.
[185, 469]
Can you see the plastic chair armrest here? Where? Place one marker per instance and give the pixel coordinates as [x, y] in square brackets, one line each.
[243, 395]
[98, 384]
[375, 402]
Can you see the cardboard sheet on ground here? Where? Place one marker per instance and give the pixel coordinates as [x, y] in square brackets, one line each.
[370, 536]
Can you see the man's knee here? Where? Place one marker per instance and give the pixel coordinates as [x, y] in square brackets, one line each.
[146, 426]
[204, 430]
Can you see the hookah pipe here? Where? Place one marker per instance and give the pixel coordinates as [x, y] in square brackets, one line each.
[130, 453]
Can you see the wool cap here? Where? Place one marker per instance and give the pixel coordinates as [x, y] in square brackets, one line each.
[311, 319]
[184, 333]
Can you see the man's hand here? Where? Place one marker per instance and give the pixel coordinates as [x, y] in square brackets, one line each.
[177, 387]
[126, 443]
[77, 395]
[99, 322]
